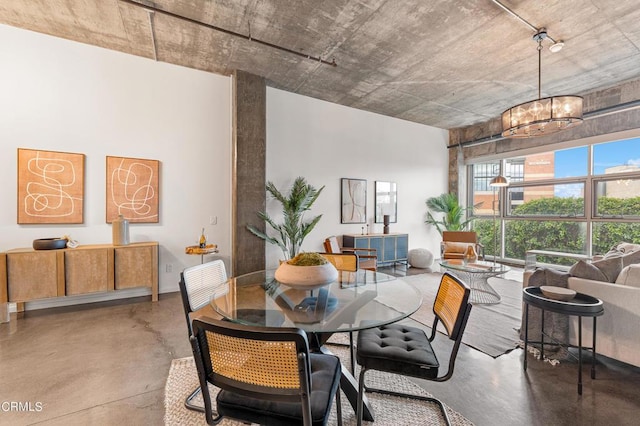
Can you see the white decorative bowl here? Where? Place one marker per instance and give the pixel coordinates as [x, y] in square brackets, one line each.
[308, 277]
[557, 293]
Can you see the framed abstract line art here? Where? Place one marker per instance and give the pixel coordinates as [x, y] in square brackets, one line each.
[386, 201]
[353, 201]
[50, 187]
[132, 189]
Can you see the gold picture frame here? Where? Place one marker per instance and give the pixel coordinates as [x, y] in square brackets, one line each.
[133, 189]
[50, 187]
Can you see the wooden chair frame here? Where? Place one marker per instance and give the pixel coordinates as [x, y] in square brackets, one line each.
[367, 257]
[464, 237]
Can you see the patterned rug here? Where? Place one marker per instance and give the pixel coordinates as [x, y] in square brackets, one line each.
[492, 329]
[388, 410]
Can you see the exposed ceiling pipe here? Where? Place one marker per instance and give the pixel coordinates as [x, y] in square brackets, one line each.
[229, 32]
[615, 109]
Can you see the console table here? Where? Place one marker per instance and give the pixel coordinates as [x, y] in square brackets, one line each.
[27, 274]
[391, 248]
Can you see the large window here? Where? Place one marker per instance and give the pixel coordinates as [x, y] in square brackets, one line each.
[581, 200]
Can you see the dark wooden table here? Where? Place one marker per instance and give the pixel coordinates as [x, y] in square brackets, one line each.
[582, 305]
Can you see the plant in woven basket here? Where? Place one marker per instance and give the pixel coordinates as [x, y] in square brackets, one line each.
[290, 234]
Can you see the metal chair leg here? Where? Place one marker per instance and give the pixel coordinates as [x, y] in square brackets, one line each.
[338, 407]
[362, 388]
[353, 353]
[359, 407]
[191, 406]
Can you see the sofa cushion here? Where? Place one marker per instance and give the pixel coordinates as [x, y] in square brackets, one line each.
[630, 276]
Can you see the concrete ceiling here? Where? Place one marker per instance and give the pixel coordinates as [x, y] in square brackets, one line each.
[443, 63]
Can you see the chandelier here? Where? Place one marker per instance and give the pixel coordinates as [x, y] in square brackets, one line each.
[542, 116]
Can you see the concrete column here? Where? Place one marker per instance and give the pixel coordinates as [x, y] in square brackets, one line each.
[249, 170]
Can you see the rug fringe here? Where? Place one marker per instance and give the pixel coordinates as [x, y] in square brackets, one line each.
[536, 352]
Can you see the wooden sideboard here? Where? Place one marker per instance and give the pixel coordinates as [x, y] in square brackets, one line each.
[391, 248]
[27, 274]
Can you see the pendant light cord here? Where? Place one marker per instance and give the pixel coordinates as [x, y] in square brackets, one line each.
[539, 68]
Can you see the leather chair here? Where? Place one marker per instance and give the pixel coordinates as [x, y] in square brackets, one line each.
[405, 350]
[198, 285]
[455, 243]
[266, 375]
[367, 257]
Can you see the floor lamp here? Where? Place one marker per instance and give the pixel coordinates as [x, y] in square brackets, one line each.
[496, 183]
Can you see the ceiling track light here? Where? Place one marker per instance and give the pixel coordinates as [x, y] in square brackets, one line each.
[542, 116]
[555, 47]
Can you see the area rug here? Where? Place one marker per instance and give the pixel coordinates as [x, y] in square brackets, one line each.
[492, 329]
[388, 410]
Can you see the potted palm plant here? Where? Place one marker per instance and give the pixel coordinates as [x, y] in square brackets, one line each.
[290, 234]
[454, 215]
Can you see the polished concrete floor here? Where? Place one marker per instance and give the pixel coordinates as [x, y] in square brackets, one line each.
[106, 364]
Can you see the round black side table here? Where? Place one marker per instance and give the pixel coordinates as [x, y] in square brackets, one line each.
[582, 305]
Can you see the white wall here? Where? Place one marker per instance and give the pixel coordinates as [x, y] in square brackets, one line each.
[65, 96]
[324, 142]
[60, 95]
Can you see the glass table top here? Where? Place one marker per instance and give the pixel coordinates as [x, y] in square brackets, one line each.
[479, 266]
[356, 300]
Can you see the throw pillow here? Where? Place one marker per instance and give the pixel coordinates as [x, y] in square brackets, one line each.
[582, 269]
[630, 276]
[622, 249]
[610, 267]
[556, 278]
[537, 278]
[451, 247]
[628, 247]
[631, 258]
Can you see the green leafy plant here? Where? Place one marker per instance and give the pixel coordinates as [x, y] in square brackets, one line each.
[290, 234]
[454, 215]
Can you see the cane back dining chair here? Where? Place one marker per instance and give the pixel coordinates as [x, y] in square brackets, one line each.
[266, 374]
[407, 351]
[367, 257]
[198, 284]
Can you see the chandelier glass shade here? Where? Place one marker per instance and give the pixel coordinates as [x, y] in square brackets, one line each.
[542, 116]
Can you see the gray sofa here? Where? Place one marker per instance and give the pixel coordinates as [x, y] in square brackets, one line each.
[615, 279]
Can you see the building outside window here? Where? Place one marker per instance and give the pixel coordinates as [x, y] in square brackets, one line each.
[581, 200]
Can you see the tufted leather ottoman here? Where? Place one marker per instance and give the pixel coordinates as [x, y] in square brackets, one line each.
[397, 348]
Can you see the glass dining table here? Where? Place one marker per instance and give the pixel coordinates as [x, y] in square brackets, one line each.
[354, 301]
